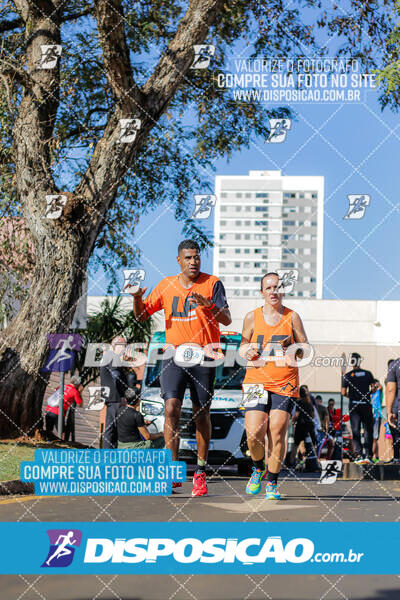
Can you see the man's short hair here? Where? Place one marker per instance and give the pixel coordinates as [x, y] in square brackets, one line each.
[331, 400]
[188, 245]
[318, 397]
[267, 275]
[355, 359]
[131, 396]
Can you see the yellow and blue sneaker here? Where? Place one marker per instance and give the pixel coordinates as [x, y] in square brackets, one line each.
[254, 484]
[271, 491]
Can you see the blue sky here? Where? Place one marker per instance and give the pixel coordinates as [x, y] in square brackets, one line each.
[356, 148]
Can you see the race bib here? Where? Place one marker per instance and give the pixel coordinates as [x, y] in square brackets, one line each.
[253, 394]
[188, 355]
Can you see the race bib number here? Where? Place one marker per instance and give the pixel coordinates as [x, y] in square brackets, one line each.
[188, 355]
[253, 394]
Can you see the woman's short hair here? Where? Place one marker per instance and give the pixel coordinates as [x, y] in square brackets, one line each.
[75, 380]
[131, 396]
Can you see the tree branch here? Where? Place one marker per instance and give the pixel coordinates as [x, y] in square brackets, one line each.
[19, 22]
[111, 28]
[112, 159]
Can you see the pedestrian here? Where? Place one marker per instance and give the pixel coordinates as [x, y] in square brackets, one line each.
[194, 305]
[303, 421]
[72, 395]
[113, 377]
[376, 401]
[132, 430]
[323, 437]
[269, 389]
[393, 405]
[356, 385]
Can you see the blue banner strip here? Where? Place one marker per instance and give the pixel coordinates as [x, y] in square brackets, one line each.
[214, 548]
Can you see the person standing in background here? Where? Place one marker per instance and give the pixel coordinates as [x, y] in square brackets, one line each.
[393, 405]
[112, 376]
[376, 401]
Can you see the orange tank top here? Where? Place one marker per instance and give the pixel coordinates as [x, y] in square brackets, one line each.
[276, 376]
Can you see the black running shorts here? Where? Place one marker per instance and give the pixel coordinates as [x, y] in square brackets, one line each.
[274, 402]
[175, 379]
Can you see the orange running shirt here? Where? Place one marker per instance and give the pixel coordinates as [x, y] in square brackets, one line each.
[282, 380]
[186, 322]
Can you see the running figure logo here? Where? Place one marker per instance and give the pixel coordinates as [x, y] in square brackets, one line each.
[97, 397]
[357, 206]
[50, 56]
[63, 543]
[253, 394]
[129, 129]
[330, 470]
[62, 348]
[54, 205]
[287, 280]
[132, 279]
[203, 54]
[278, 130]
[204, 204]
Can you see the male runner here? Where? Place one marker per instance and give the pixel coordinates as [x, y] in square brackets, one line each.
[274, 385]
[393, 404]
[194, 304]
[356, 384]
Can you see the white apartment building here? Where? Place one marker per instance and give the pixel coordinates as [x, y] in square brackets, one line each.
[266, 221]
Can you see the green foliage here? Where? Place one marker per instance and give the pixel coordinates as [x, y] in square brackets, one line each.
[103, 325]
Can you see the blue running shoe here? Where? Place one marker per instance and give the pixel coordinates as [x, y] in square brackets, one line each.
[254, 484]
[271, 491]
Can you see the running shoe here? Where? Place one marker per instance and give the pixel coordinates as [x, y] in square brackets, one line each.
[362, 461]
[375, 460]
[254, 484]
[176, 484]
[199, 484]
[271, 491]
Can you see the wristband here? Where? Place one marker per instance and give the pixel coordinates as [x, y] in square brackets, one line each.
[212, 306]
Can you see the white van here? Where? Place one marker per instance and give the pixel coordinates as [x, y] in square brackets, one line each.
[228, 443]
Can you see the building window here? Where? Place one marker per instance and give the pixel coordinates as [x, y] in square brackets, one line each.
[288, 265]
[246, 278]
[223, 223]
[222, 251]
[237, 236]
[224, 208]
[260, 208]
[238, 223]
[224, 195]
[246, 236]
[300, 294]
[260, 223]
[314, 195]
[257, 250]
[222, 264]
[257, 265]
[222, 236]
[246, 265]
[257, 278]
[237, 265]
[290, 223]
[247, 195]
[313, 223]
[247, 223]
[247, 251]
[245, 292]
[239, 195]
[236, 279]
[238, 208]
[261, 195]
[237, 250]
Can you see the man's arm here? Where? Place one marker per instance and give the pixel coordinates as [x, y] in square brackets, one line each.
[218, 305]
[391, 388]
[149, 436]
[139, 308]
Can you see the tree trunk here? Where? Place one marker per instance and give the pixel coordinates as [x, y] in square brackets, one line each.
[49, 308]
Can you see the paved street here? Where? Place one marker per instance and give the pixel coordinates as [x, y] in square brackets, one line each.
[304, 500]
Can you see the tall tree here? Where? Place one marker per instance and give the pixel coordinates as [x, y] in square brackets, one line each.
[61, 135]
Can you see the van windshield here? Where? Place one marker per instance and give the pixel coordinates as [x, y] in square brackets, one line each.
[226, 377]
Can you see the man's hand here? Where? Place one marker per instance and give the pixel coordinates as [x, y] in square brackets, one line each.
[392, 419]
[138, 293]
[200, 300]
[251, 354]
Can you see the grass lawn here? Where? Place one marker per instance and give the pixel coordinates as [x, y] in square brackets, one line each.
[11, 454]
